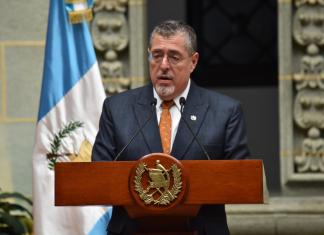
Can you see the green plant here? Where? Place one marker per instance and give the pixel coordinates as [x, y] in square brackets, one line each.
[15, 214]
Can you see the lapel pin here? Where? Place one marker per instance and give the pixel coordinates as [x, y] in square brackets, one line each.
[193, 117]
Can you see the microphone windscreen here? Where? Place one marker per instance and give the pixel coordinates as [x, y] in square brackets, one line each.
[154, 102]
[182, 101]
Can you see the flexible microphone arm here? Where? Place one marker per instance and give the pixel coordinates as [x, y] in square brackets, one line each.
[182, 103]
[153, 104]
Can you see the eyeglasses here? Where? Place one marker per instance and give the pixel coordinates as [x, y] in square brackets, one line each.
[172, 59]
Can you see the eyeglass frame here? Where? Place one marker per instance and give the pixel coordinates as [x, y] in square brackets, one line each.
[171, 57]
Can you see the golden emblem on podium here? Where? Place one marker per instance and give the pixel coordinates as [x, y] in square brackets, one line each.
[160, 186]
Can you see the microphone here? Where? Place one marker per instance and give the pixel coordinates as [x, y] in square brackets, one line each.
[153, 104]
[182, 103]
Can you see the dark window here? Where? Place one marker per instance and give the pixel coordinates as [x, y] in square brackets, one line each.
[237, 42]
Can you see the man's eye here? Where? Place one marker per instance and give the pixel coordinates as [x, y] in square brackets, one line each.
[174, 58]
[157, 56]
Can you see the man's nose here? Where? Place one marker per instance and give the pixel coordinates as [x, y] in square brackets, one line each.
[165, 62]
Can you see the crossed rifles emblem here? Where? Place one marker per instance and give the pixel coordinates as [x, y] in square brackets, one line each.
[163, 184]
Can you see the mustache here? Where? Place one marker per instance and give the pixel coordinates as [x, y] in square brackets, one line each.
[165, 77]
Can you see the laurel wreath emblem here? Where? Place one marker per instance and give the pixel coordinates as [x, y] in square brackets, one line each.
[167, 196]
[67, 129]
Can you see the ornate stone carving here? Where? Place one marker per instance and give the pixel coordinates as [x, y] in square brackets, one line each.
[310, 2]
[110, 5]
[309, 109]
[111, 38]
[308, 25]
[312, 157]
[308, 32]
[312, 70]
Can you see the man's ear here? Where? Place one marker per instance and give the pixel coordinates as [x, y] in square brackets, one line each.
[149, 54]
[194, 60]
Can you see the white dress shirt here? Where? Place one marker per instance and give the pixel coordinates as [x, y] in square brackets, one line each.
[174, 110]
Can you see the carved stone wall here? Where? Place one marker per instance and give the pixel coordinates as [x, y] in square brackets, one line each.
[302, 96]
[118, 30]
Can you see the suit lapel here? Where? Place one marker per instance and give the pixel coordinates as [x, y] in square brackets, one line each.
[194, 113]
[143, 109]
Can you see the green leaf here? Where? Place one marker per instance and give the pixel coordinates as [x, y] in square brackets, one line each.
[11, 207]
[14, 223]
[14, 195]
[57, 140]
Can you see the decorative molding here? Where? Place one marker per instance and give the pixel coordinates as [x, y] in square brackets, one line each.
[302, 98]
[309, 109]
[308, 26]
[110, 5]
[308, 106]
[288, 2]
[299, 3]
[111, 38]
[3, 85]
[312, 157]
[16, 43]
[135, 2]
[287, 77]
[286, 153]
[138, 80]
[75, 1]
[9, 120]
[3, 79]
[113, 25]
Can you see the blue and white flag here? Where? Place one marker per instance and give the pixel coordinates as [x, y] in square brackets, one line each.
[70, 104]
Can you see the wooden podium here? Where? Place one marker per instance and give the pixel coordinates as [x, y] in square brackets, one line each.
[130, 183]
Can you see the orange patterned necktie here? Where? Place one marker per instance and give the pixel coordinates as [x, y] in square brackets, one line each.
[166, 126]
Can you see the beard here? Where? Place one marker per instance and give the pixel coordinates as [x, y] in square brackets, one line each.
[164, 91]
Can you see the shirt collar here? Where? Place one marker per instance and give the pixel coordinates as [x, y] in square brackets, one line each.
[176, 99]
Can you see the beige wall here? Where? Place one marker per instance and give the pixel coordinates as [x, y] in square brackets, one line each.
[22, 39]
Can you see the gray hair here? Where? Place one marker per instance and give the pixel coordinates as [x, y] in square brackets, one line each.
[172, 27]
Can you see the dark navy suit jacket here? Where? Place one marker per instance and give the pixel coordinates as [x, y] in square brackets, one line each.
[219, 125]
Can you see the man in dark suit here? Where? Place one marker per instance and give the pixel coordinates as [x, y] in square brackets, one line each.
[217, 120]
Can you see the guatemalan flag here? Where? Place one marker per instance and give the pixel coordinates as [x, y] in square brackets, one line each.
[70, 104]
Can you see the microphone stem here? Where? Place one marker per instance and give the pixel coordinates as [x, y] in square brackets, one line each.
[193, 134]
[136, 133]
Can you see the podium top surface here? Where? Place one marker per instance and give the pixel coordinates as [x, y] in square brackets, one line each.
[209, 182]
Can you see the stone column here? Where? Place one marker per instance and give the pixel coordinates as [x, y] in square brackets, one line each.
[302, 96]
[118, 31]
